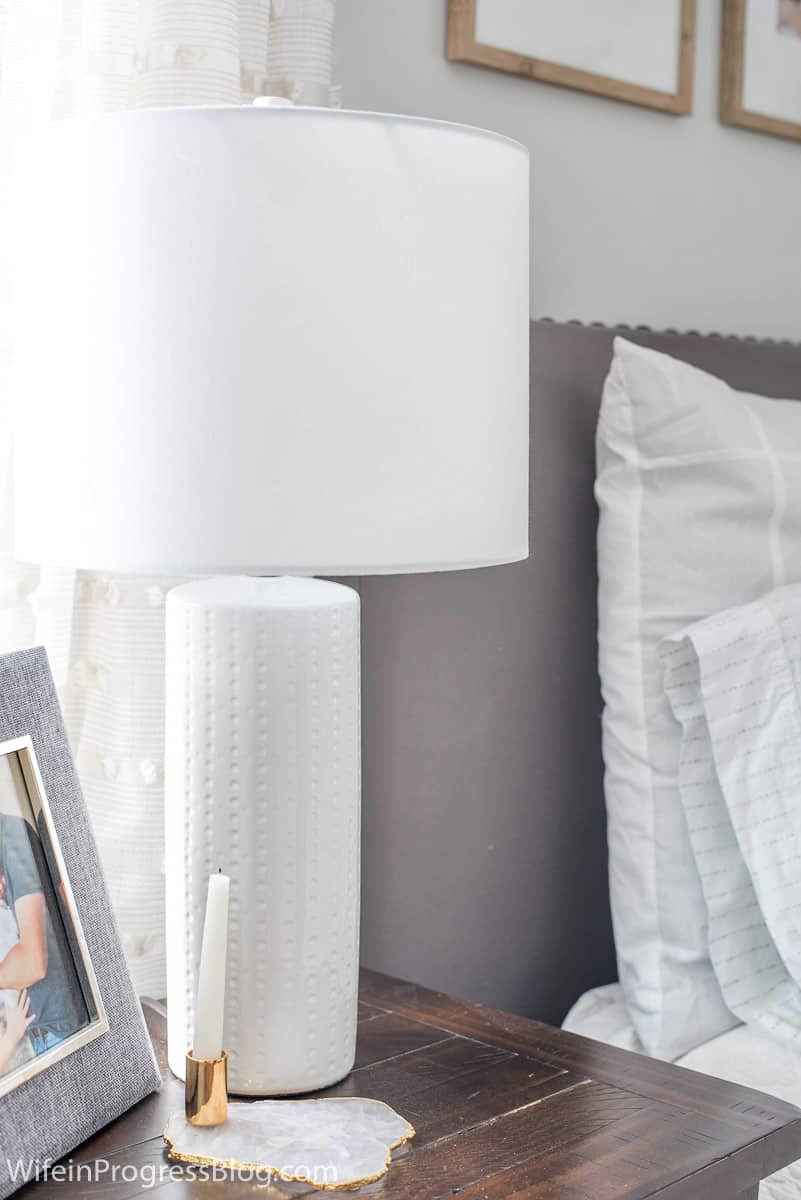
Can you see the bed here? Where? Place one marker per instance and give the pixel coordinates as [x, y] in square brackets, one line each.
[483, 737]
[569, 366]
[482, 719]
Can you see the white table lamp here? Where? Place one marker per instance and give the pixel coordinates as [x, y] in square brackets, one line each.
[260, 342]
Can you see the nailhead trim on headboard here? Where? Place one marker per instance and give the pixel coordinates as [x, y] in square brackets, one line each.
[623, 328]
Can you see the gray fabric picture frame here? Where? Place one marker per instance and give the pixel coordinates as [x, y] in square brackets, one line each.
[48, 1115]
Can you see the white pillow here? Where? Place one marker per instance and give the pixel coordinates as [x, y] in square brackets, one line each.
[734, 684]
[699, 489]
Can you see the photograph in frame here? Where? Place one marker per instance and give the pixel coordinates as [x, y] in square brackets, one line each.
[79, 1054]
[50, 1004]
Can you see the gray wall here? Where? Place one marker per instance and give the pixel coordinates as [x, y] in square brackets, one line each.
[637, 216]
[484, 827]
[484, 866]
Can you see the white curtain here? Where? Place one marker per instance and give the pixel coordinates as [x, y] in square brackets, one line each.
[104, 633]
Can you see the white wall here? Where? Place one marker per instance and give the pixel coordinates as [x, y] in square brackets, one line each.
[637, 217]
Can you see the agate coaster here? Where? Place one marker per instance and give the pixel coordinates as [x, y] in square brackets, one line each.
[330, 1143]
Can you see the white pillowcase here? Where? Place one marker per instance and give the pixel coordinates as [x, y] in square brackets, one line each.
[734, 683]
[699, 489]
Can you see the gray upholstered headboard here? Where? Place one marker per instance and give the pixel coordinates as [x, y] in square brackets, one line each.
[484, 827]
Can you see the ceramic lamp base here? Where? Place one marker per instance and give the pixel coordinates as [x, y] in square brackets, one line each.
[263, 782]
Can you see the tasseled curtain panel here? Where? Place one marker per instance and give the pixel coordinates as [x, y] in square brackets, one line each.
[104, 633]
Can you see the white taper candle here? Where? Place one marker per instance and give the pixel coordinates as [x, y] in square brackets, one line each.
[210, 1007]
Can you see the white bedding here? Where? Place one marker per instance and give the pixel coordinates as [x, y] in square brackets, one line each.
[699, 491]
[700, 499]
[741, 1055]
[734, 684]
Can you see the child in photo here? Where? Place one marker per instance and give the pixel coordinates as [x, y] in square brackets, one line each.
[15, 1018]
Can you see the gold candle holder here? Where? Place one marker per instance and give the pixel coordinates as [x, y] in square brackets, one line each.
[206, 1100]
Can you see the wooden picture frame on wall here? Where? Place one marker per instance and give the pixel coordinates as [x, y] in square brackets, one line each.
[761, 65]
[655, 71]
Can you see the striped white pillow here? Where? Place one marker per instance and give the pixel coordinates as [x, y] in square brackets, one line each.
[734, 684]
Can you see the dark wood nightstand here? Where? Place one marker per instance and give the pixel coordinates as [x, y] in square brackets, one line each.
[503, 1107]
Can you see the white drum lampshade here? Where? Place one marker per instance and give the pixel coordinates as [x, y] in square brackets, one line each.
[271, 341]
[275, 341]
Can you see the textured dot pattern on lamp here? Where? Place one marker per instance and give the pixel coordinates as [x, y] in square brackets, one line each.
[284, 826]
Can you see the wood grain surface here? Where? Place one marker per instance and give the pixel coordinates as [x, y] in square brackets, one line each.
[503, 1107]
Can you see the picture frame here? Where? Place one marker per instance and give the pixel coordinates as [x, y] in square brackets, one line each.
[650, 66]
[760, 83]
[22, 789]
[74, 1049]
